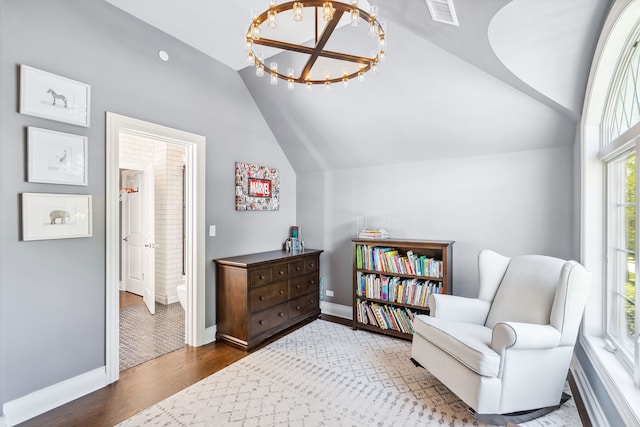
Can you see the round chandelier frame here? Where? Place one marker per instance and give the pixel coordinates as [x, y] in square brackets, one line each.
[331, 13]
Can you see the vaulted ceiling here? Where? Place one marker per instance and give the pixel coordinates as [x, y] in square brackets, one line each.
[510, 77]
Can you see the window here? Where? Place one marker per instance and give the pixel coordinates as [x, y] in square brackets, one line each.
[622, 248]
[619, 145]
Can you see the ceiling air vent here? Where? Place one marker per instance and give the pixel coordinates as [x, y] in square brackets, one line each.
[442, 11]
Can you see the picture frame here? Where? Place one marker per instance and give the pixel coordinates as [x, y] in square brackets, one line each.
[257, 187]
[56, 216]
[56, 157]
[53, 97]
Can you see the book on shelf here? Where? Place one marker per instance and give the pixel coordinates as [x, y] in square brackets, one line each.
[390, 260]
[385, 317]
[396, 289]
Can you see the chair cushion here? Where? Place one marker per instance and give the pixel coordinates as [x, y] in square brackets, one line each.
[527, 291]
[466, 342]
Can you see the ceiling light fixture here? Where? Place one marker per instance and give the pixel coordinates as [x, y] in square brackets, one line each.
[307, 29]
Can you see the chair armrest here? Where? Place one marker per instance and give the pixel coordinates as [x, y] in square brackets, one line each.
[452, 307]
[521, 336]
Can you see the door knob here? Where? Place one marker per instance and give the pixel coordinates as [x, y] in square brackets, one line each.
[126, 239]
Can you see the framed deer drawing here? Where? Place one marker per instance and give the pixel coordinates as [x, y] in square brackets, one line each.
[56, 157]
[53, 97]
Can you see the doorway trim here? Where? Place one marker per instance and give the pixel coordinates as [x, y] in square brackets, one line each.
[195, 230]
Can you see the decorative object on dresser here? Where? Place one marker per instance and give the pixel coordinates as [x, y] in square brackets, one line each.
[261, 294]
[392, 281]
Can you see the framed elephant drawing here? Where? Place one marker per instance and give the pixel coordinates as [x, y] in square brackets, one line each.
[55, 216]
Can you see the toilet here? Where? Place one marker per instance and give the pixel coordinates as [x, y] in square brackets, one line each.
[182, 295]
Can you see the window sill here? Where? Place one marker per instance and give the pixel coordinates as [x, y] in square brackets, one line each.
[616, 379]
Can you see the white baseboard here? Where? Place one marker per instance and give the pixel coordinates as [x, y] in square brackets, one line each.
[594, 410]
[338, 310]
[210, 334]
[46, 399]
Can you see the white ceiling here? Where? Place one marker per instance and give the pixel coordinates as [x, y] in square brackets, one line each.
[511, 77]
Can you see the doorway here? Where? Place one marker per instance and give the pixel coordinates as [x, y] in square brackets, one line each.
[194, 184]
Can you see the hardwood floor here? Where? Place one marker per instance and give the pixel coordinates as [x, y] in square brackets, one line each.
[127, 298]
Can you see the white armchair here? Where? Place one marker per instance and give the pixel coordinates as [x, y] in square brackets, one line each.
[508, 350]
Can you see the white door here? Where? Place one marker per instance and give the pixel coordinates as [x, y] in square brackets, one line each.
[138, 258]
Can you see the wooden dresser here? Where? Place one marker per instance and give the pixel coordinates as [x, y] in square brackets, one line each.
[261, 294]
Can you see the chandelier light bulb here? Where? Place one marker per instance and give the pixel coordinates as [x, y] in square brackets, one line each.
[259, 66]
[255, 31]
[271, 18]
[373, 29]
[373, 13]
[361, 73]
[327, 11]
[249, 45]
[251, 59]
[274, 73]
[355, 17]
[297, 11]
[345, 79]
[290, 81]
[381, 55]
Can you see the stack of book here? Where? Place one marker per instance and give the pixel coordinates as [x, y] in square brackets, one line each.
[373, 233]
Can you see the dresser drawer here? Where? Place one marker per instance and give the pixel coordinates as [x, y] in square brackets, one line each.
[310, 264]
[280, 272]
[270, 318]
[269, 295]
[303, 285]
[296, 268]
[260, 276]
[303, 305]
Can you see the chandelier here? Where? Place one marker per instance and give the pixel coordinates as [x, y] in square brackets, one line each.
[307, 32]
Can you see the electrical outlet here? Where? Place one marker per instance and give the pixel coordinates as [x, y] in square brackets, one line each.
[212, 230]
[329, 293]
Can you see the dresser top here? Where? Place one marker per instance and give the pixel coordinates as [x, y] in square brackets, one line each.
[264, 257]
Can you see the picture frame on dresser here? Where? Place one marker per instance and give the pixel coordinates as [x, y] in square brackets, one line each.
[50, 96]
[56, 216]
[56, 157]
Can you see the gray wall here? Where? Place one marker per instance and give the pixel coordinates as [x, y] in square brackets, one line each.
[514, 203]
[2, 162]
[53, 300]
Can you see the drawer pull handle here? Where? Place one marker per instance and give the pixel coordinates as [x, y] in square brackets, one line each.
[281, 314]
[298, 268]
[313, 282]
[261, 298]
[297, 286]
[262, 277]
[281, 272]
[297, 307]
[261, 322]
[311, 301]
[281, 292]
[312, 265]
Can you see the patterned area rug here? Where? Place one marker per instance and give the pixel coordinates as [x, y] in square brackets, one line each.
[324, 374]
[144, 336]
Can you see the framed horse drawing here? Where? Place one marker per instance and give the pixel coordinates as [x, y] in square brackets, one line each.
[53, 97]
